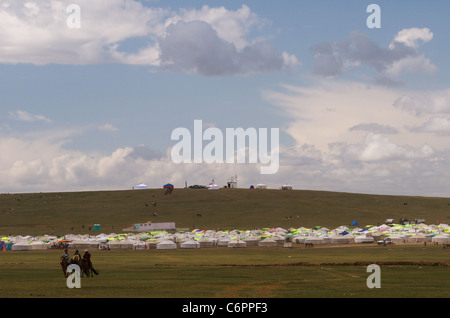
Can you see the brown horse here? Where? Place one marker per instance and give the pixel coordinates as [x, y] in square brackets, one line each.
[87, 268]
[64, 264]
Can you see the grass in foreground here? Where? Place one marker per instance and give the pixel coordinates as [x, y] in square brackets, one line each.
[231, 273]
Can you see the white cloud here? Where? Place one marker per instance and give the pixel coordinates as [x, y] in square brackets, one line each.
[402, 55]
[36, 32]
[351, 137]
[328, 112]
[411, 37]
[22, 115]
[108, 127]
[378, 147]
[428, 102]
[412, 65]
[436, 125]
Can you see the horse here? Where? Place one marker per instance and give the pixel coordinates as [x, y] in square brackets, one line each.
[87, 268]
[309, 244]
[64, 264]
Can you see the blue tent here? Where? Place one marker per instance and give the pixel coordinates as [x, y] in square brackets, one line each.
[5, 247]
[343, 233]
[354, 223]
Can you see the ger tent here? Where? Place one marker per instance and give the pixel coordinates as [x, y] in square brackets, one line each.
[213, 186]
[141, 186]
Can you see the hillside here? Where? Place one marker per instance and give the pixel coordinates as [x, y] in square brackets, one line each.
[57, 213]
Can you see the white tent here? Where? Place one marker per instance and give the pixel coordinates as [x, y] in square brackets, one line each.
[268, 242]
[341, 239]
[140, 187]
[213, 186]
[206, 242]
[166, 245]
[418, 238]
[364, 239]
[21, 246]
[299, 239]
[315, 240]
[190, 244]
[237, 243]
[251, 240]
[441, 238]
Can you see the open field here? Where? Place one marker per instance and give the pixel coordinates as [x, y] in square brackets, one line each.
[235, 273]
[57, 213]
[328, 271]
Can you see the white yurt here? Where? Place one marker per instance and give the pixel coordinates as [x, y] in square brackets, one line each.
[237, 243]
[166, 245]
[127, 244]
[440, 238]
[252, 240]
[213, 186]
[114, 245]
[190, 244]
[39, 246]
[364, 239]
[206, 242]
[84, 244]
[223, 241]
[268, 242]
[326, 238]
[150, 244]
[418, 238]
[397, 238]
[141, 186]
[279, 239]
[316, 240]
[21, 246]
[341, 239]
[299, 239]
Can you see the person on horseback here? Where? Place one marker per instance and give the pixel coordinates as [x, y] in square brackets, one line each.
[66, 255]
[76, 258]
[87, 258]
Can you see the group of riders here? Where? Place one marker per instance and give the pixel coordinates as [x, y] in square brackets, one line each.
[77, 258]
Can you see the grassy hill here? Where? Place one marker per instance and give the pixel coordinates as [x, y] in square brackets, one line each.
[57, 213]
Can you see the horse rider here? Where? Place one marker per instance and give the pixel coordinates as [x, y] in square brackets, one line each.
[87, 257]
[77, 257]
[66, 255]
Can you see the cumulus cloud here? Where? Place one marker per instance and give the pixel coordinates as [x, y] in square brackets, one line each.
[352, 137]
[428, 102]
[436, 125]
[411, 37]
[42, 165]
[194, 47]
[333, 58]
[35, 32]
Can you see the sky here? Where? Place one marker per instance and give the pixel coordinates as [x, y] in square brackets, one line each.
[91, 93]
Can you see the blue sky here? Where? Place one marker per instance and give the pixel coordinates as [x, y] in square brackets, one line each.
[359, 109]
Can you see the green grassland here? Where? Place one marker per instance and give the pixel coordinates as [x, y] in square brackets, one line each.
[57, 213]
[223, 272]
[329, 271]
